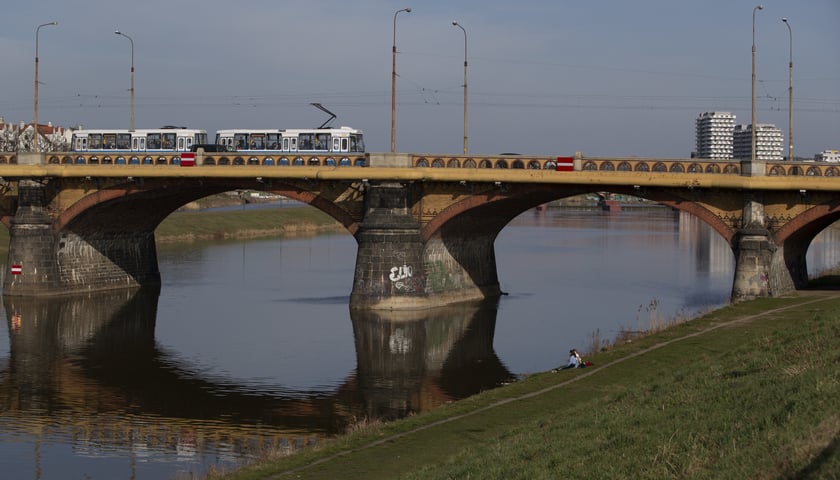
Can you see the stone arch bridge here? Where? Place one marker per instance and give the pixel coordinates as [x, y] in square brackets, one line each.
[425, 224]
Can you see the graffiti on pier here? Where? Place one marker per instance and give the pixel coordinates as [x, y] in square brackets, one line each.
[400, 276]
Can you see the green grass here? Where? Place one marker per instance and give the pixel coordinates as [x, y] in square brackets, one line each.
[748, 391]
[213, 225]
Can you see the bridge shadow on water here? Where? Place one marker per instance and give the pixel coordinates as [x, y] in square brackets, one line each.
[90, 363]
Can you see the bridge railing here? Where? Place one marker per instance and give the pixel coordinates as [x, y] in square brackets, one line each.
[205, 159]
[628, 164]
[581, 163]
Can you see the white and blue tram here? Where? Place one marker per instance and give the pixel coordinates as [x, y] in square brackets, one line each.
[309, 141]
[163, 140]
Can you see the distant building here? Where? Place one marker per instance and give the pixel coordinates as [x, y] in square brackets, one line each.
[828, 156]
[768, 142]
[713, 135]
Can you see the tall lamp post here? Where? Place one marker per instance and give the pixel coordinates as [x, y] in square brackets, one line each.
[132, 76]
[35, 120]
[394, 82]
[790, 94]
[465, 83]
[753, 126]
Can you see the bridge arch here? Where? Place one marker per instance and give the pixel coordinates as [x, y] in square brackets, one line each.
[163, 198]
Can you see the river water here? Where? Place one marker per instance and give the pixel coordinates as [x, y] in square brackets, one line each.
[250, 347]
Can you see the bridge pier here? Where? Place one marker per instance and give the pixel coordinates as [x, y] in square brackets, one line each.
[760, 266]
[31, 243]
[72, 261]
[397, 269]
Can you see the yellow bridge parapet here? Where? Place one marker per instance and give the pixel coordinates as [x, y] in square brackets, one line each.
[495, 162]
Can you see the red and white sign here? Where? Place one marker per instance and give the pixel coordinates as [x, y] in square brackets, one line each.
[565, 164]
[188, 159]
[17, 269]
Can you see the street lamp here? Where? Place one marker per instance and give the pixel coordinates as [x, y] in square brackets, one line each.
[35, 121]
[753, 127]
[465, 82]
[132, 76]
[790, 94]
[394, 82]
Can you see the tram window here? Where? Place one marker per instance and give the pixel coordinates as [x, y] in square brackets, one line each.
[181, 143]
[123, 141]
[306, 141]
[344, 144]
[257, 142]
[153, 141]
[286, 144]
[336, 144]
[168, 141]
[241, 141]
[356, 143]
[95, 140]
[109, 141]
[272, 141]
[322, 141]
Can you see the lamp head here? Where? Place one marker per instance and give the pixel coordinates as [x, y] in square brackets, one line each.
[784, 19]
[760, 7]
[455, 23]
[408, 10]
[118, 32]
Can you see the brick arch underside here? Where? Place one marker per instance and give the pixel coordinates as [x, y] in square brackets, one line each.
[796, 236]
[493, 212]
[141, 209]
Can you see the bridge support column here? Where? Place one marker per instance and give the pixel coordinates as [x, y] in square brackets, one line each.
[389, 260]
[760, 268]
[31, 245]
[53, 263]
[397, 269]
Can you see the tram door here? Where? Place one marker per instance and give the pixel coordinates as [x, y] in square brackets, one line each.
[339, 144]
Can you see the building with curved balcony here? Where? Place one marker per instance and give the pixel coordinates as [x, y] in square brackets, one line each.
[713, 135]
[768, 142]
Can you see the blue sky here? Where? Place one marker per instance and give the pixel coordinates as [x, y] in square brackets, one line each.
[604, 77]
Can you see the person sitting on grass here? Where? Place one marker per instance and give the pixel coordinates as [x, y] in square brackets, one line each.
[574, 360]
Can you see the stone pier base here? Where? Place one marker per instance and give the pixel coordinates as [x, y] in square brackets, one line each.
[760, 269]
[45, 262]
[397, 269]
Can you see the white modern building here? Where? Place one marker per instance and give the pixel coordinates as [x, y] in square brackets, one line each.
[828, 156]
[768, 142]
[713, 135]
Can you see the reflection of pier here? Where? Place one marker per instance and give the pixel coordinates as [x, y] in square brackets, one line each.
[86, 370]
[411, 361]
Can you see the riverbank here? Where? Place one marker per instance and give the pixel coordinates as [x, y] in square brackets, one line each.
[287, 222]
[748, 391]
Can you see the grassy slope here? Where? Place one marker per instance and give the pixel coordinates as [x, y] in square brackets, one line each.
[204, 225]
[749, 391]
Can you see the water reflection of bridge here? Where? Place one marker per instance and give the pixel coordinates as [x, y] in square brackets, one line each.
[87, 370]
